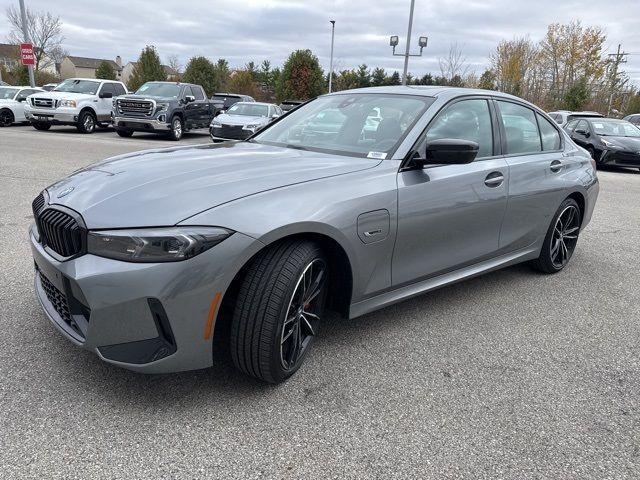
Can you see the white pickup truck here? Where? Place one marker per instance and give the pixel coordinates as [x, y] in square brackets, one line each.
[82, 102]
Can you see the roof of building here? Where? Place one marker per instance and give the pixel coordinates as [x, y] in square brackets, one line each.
[92, 62]
[9, 51]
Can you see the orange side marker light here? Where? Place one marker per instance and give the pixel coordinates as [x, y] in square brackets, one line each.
[208, 328]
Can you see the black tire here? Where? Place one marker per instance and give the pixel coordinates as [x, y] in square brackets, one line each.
[41, 126]
[560, 239]
[177, 128]
[86, 122]
[123, 132]
[262, 344]
[6, 117]
[593, 154]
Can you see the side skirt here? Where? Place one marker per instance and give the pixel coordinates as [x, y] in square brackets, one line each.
[418, 288]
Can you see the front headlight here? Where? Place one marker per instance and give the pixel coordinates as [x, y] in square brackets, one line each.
[216, 124]
[170, 244]
[253, 126]
[162, 107]
[68, 103]
[609, 144]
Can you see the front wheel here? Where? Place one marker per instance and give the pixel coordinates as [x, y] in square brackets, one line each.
[86, 122]
[41, 125]
[124, 133]
[6, 118]
[561, 239]
[278, 310]
[175, 133]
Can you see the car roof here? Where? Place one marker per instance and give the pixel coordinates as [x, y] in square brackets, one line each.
[91, 79]
[256, 103]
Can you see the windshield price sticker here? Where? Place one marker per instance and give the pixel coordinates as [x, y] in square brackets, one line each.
[378, 155]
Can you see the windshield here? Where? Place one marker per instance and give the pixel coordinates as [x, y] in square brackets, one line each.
[78, 86]
[617, 128]
[357, 124]
[250, 109]
[159, 89]
[8, 93]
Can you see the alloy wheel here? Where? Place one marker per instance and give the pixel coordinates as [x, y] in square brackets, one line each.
[5, 118]
[177, 127]
[88, 123]
[565, 236]
[302, 317]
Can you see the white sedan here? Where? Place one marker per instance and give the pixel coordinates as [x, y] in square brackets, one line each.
[12, 100]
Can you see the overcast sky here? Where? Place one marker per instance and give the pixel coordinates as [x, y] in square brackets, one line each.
[270, 29]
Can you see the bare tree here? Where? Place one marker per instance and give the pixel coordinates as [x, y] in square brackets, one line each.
[174, 63]
[454, 66]
[45, 32]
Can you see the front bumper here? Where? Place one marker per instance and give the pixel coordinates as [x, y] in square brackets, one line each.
[146, 317]
[226, 133]
[58, 116]
[620, 158]
[142, 124]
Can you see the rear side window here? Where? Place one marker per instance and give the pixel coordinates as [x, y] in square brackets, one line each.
[521, 128]
[465, 120]
[548, 133]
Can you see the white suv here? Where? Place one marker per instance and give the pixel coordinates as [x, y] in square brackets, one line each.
[12, 101]
[82, 102]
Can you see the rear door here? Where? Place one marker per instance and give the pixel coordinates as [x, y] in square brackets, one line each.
[534, 152]
[449, 216]
[190, 108]
[201, 106]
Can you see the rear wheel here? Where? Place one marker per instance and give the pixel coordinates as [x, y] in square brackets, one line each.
[6, 118]
[278, 310]
[561, 239]
[86, 122]
[41, 125]
[124, 133]
[176, 128]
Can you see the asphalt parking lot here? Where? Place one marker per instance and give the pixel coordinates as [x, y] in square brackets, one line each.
[511, 375]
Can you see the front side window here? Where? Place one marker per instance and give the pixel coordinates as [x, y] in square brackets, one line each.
[465, 120]
[71, 85]
[118, 89]
[582, 127]
[107, 88]
[548, 133]
[571, 125]
[197, 92]
[337, 124]
[521, 128]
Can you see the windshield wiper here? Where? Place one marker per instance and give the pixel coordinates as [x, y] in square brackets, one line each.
[296, 147]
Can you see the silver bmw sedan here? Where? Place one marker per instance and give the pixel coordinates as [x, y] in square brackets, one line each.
[349, 203]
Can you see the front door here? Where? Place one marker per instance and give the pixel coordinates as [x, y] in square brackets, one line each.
[449, 216]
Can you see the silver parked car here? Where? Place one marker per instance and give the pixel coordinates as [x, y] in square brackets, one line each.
[145, 258]
[242, 120]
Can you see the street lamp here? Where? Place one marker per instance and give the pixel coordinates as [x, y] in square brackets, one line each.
[333, 29]
[422, 43]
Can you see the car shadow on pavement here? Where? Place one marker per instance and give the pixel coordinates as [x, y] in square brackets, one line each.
[223, 384]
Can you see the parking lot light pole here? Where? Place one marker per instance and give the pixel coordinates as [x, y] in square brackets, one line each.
[25, 32]
[333, 29]
[422, 42]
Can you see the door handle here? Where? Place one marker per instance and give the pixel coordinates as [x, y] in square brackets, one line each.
[494, 179]
[556, 166]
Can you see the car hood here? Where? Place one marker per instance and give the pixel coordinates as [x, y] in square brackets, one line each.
[241, 119]
[630, 143]
[63, 95]
[164, 187]
[147, 97]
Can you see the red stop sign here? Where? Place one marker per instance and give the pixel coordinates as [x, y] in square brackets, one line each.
[26, 54]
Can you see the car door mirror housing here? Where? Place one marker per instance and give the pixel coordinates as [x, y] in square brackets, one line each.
[448, 151]
[582, 131]
[189, 98]
[106, 95]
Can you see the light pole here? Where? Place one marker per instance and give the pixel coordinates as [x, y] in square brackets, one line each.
[333, 29]
[25, 31]
[422, 42]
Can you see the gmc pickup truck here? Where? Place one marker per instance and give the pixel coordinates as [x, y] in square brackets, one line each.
[163, 107]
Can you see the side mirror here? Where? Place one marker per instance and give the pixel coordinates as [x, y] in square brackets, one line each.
[21, 99]
[582, 131]
[106, 95]
[274, 116]
[189, 98]
[448, 151]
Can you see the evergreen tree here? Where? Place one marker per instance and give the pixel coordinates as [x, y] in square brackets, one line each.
[202, 72]
[364, 76]
[394, 79]
[147, 69]
[302, 77]
[105, 71]
[222, 74]
[378, 77]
